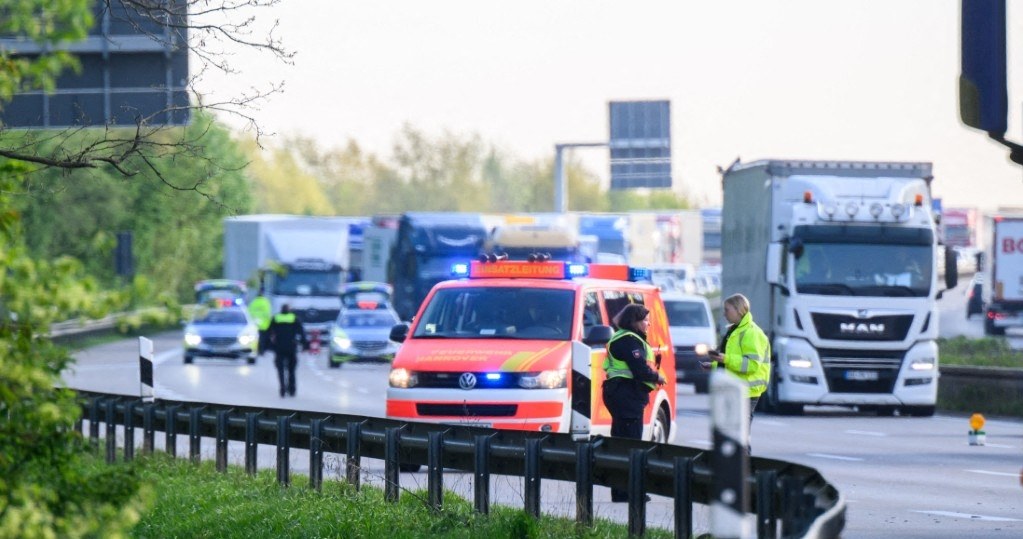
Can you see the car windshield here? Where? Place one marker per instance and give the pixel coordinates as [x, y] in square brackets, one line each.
[856, 269]
[222, 317]
[686, 314]
[498, 313]
[368, 319]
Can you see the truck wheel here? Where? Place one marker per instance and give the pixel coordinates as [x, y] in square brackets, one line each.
[789, 408]
[918, 411]
[660, 430]
[885, 411]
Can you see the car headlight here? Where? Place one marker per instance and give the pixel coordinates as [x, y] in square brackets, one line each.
[402, 378]
[701, 349]
[192, 338]
[552, 379]
[923, 364]
[799, 361]
[340, 338]
[248, 337]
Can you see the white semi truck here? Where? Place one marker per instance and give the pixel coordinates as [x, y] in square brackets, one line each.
[299, 260]
[1003, 273]
[838, 261]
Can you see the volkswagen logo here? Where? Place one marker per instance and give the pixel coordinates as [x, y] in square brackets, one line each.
[467, 380]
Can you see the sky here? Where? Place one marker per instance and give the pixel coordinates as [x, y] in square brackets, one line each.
[835, 80]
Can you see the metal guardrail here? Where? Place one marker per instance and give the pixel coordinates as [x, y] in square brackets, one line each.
[788, 498]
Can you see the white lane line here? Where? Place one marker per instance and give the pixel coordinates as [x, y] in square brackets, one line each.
[834, 457]
[969, 516]
[1001, 446]
[867, 433]
[985, 472]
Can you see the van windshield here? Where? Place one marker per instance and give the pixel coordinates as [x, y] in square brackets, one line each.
[498, 313]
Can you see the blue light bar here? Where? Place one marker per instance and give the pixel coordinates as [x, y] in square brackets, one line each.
[577, 270]
[639, 274]
[460, 269]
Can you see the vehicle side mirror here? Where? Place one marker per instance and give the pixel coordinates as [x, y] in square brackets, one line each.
[951, 269]
[598, 335]
[399, 332]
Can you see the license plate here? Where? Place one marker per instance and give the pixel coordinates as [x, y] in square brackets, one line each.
[861, 376]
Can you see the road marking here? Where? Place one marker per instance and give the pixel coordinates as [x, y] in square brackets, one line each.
[953, 514]
[1001, 445]
[867, 433]
[834, 457]
[985, 472]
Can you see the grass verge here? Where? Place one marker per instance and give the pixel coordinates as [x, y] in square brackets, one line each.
[985, 352]
[195, 501]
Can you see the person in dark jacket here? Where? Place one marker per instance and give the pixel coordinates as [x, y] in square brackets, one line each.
[285, 332]
[631, 375]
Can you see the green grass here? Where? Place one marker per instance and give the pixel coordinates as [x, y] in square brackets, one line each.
[986, 352]
[195, 501]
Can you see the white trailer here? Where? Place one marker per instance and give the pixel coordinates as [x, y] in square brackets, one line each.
[1003, 273]
[838, 261]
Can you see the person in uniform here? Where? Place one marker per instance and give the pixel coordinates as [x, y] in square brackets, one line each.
[261, 313]
[285, 332]
[631, 376]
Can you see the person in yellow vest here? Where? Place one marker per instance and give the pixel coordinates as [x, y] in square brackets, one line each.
[285, 334]
[745, 350]
[261, 313]
[631, 376]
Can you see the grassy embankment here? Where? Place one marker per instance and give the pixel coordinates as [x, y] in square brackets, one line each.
[195, 501]
[1000, 398]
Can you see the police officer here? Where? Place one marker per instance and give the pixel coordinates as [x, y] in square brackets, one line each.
[261, 313]
[285, 332]
[631, 375]
[745, 350]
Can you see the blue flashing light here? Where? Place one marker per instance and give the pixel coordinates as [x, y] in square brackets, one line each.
[577, 270]
[460, 269]
[493, 376]
[639, 274]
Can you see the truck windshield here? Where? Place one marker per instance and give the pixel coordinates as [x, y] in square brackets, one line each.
[856, 269]
[498, 313]
[308, 283]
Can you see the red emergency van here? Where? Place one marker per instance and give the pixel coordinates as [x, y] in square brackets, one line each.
[521, 345]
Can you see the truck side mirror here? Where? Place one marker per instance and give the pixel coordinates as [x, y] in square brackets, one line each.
[775, 256]
[399, 332]
[951, 269]
[598, 335]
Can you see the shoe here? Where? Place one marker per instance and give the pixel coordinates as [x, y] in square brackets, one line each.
[291, 392]
[282, 392]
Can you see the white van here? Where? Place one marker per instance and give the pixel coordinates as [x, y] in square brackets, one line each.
[693, 334]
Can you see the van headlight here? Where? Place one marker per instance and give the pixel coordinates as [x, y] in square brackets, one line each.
[402, 378]
[552, 379]
[923, 364]
[701, 349]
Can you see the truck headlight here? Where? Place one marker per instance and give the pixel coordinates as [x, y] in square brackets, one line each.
[552, 379]
[799, 362]
[192, 339]
[923, 364]
[701, 349]
[402, 378]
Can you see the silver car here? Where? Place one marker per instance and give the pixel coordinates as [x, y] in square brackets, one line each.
[361, 334]
[228, 333]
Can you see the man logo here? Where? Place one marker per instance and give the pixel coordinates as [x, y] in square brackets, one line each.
[467, 380]
[860, 328]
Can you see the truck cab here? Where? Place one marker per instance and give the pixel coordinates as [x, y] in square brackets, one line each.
[521, 345]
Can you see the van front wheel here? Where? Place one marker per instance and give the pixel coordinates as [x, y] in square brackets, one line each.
[661, 428]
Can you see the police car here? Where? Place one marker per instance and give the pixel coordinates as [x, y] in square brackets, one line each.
[521, 345]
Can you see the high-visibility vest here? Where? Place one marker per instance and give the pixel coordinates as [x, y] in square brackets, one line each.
[748, 355]
[261, 312]
[616, 368]
[285, 318]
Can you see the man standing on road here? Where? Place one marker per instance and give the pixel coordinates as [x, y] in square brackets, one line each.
[261, 313]
[285, 332]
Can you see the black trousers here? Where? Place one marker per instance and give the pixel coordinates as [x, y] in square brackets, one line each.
[625, 428]
[286, 363]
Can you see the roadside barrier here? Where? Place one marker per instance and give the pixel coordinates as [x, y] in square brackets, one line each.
[790, 500]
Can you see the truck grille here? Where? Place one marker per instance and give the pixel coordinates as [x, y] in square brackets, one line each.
[316, 316]
[467, 410]
[861, 371]
[850, 328]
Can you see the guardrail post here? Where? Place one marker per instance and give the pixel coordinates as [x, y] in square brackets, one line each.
[391, 471]
[195, 434]
[729, 412]
[637, 492]
[148, 428]
[111, 429]
[353, 460]
[532, 477]
[221, 442]
[94, 422]
[316, 455]
[767, 521]
[481, 487]
[683, 497]
[251, 447]
[129, 431]
[172, 430]
[284, 450]
[584, 483]
[435, 469]
[792, 489]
